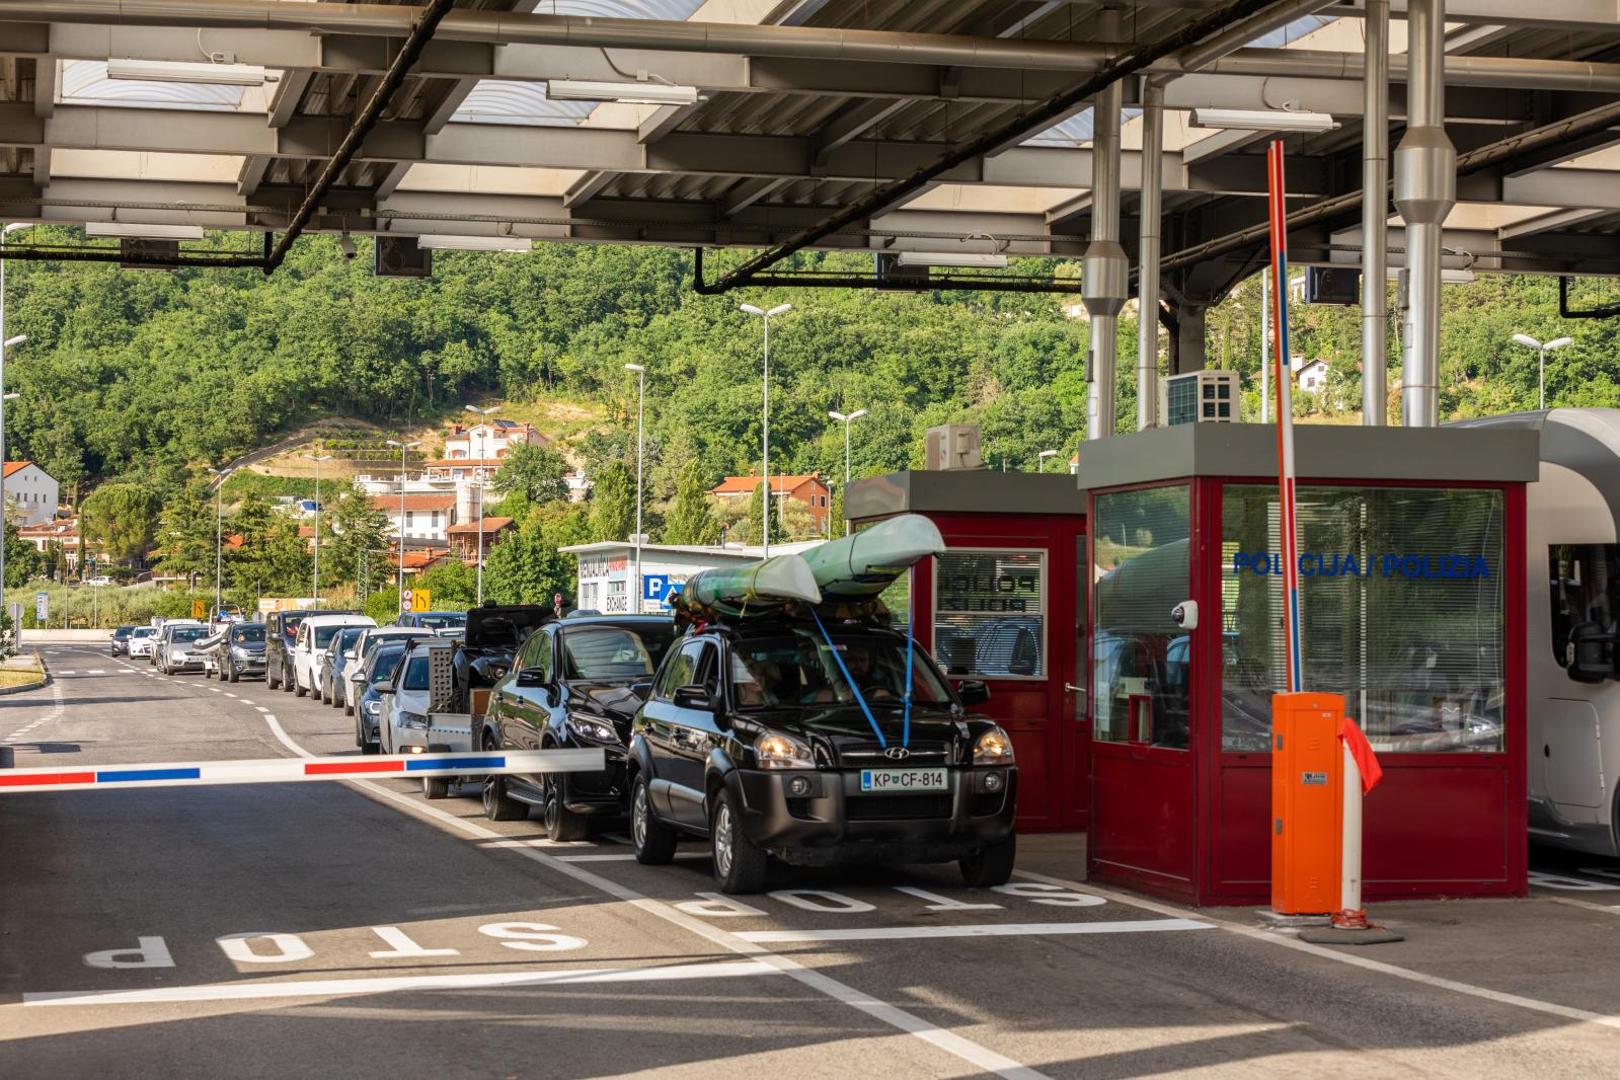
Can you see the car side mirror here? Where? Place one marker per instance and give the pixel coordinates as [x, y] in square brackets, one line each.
[642, 690]
[693, 697]
[385, 687]
[531, 677]
[1588, 653]
[972, 692]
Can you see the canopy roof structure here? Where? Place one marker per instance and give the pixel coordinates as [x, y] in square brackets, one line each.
[760, 119]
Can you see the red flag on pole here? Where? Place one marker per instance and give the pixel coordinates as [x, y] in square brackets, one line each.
[1360, 749]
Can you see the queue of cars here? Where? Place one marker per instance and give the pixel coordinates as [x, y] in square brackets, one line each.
[772, 738]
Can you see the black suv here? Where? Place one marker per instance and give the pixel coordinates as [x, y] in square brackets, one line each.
[775, 736]
[575, 684]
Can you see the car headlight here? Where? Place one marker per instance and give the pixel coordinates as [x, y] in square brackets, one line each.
[776, 751]
[993, 748]
[588, 727]
[373, 708]
[239, 653]
[413, 720]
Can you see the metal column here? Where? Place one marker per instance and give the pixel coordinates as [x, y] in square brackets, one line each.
[1147, 291]
[1425, 191]
[1375, 217]
[1104, 269]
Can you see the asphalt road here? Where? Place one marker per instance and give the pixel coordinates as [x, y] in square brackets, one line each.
[355, 929]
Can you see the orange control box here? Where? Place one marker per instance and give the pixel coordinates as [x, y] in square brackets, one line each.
[1307, 803]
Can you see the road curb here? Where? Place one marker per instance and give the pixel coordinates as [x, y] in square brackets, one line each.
[44, 680]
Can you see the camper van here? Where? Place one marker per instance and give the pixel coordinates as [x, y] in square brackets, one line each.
[1573, 614]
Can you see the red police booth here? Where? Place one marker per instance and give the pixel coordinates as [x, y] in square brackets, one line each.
[1005, 604]
[1412, 584]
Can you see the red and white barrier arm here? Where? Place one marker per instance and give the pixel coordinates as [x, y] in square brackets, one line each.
[296, 770]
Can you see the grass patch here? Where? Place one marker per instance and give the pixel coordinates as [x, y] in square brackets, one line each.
[10, 677]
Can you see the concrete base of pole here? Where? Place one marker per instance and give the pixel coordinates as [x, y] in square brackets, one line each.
[1273, 920]
[1332, 935]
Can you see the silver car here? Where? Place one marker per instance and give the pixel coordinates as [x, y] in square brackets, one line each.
[176, 647]
[353, 685]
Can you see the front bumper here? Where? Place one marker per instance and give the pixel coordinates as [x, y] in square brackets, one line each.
[253, 666]
[603, 793]
[836, 823]
[185, 663]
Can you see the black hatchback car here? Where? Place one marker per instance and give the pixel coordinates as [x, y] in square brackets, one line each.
[775, 738]
[575, 684]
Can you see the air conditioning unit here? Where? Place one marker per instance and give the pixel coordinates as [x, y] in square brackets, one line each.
[952, 446]
[1200, 397]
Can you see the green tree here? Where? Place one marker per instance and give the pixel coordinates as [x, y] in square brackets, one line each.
[23, 561]
[613, 502]
[690, 519]
[186, 534]
[452, 584]
[121, 518]
[527, 568]
[359, 541]
[534, 471]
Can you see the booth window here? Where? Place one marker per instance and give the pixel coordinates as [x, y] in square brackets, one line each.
[990, 613]
[1141, 660]
[1402, 597]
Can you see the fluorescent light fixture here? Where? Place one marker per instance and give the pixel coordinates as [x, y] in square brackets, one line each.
[638, 368]
[1555, 343]
[951, 258]
[1263, 120]
[636, 93]
[475, 243]
[168, 71]
[143, 232]
[13, 342]
[856, 415]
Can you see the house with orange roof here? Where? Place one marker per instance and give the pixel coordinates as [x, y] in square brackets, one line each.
[809, 489]
[31, 492]
[464, 537]
[419, 515]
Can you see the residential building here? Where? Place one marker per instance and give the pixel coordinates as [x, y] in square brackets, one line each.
[464, 537]
[31, 492]
[426, 516]
[809, 489]
[579, 485]
[1310, 374]
[63, 531]
[606, 567]
[490, 440]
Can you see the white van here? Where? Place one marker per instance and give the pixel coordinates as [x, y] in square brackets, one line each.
[314, 634]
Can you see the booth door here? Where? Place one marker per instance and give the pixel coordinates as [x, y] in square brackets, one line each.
[1142, 678]
[1002, 612]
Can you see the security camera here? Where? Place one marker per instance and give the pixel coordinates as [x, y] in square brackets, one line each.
[346, 246]
[1185, 614]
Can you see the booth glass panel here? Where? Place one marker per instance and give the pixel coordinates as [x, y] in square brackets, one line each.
[1141, 660]
[1402, 600]
[990, 613]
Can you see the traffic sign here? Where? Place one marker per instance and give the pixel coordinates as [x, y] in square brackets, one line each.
[654, 586]
[416, 600]
[42, 607]
[199, 609]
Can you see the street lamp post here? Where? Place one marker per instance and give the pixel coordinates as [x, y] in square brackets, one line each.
[219, 533]
[5, 343]
[847, 419]
[402, 446]
[483, 448]
[1541, 348]
[317, 459]
[1040, 459]
[765, 430]
[641, 412]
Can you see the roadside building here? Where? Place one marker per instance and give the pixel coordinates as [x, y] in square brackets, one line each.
[1310, 374]
[63, 531]
[426, 515]
[606, 567]
[809, 489]
[490, 440]
[464, 537]
[31, 492]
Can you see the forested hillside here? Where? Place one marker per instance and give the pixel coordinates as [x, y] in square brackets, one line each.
[149, 376]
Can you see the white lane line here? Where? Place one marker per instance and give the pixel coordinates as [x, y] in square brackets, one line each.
[694, 855]
[388, 984]
[1270, 937]
[245, 701]
[980, 1057]
[70, 671]
[96, 671]
[229, 694]
[262, 709]
[974, 930]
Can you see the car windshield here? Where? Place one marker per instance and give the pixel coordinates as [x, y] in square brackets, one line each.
[349, 636]
[188, 633]
[245, 635]
[441, 621]
[384, 662]
[416, 673]
[800, 669]
[143, 631]
[123, 632]
[613, 652]
[324, 634]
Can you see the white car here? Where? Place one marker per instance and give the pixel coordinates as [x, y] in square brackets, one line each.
[142, 640]
[315, 633]
[99, 580]
[353, 681]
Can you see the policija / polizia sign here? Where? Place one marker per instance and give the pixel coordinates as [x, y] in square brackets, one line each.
[1450, 566]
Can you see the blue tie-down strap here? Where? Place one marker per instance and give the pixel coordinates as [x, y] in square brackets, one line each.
[859, 697]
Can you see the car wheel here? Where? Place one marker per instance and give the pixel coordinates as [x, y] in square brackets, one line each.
[653, 841]
[740, 865]
[298, 686]
[991, 866]
[561, 823]
[436, 787]
[270, 681]
[232, 675]
[348, 710]
[498, 805]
